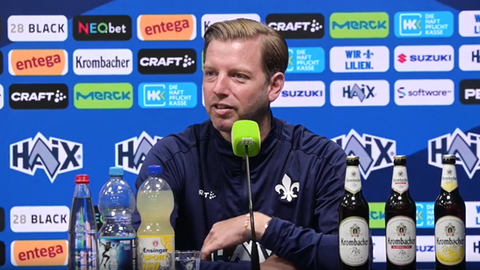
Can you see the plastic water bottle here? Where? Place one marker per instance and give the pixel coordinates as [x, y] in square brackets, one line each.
[116, 203]
[82, 232]
[155, 236]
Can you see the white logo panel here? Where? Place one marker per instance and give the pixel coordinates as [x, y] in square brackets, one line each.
[469, 23]
[360, 59]
[102, 62]
[359, 93]
[301, 94]
[424, 58]
[37, 28]
[39, 218]
[424, 92]
[469, 57]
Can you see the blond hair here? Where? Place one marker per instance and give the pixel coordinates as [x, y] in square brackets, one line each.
[274, 50]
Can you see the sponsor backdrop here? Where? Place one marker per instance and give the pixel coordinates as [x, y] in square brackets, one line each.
[93, 84]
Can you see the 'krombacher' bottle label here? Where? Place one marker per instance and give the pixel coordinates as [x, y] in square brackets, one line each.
[353, 182]
[450, 240]
[449, 178]
[400, 179]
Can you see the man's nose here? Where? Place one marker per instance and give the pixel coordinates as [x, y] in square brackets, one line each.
[221, 86]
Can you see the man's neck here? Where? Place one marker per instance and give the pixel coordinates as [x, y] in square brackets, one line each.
[265, 126]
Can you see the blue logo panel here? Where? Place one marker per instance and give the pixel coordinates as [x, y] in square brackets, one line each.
[306, 60]
[425, 215]
[167, 95]
[424, 24]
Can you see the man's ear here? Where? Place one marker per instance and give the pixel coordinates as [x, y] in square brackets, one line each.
[275, 86]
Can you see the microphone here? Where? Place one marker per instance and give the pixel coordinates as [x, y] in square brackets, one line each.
[246, 143]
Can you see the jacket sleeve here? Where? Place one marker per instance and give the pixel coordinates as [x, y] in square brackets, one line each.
[314, 248]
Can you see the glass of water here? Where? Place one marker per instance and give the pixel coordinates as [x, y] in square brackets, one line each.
[187, 260]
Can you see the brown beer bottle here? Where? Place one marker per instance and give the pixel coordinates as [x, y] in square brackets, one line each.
[400, 221]
[449, 214]
[353, 232]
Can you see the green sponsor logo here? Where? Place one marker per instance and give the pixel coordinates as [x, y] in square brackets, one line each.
[359, 25]
[103, 96]
[377, 215]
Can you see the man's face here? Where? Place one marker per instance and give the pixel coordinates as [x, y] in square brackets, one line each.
[234, 85]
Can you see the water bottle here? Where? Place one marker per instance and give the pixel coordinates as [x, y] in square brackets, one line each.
[155, 236]
[82, 231]
[116, 203]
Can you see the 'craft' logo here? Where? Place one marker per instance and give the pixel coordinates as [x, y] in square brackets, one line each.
[167, 27]
[102, 28]
[167, 61]
[38, 62]
[38, 96]
[298, 26]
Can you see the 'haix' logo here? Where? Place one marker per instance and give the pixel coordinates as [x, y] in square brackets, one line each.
[55, 156]
[375, 153]
[131, 153]
[464, 146]
[361, 92]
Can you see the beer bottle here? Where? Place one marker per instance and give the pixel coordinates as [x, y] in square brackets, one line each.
[354, 234]
[400, 221]
[449, 214]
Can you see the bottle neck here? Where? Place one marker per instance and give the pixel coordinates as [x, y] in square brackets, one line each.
[449, 178]
[400, 179]
[353, 182]
[81, 191]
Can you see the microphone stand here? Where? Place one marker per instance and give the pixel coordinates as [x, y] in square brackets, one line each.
[255, 261]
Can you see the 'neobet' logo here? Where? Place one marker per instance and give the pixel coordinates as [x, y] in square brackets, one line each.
[95, 28]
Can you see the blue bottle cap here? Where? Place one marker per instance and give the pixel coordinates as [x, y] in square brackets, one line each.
[115, 171]
[154, 169]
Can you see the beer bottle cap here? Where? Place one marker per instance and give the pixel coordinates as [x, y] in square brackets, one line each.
[449, 159]
[400, 160]
[353, 161]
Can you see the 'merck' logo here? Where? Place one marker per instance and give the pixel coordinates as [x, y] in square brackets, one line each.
[463, 145]
[375, 153]
[131, 153]
[55, 156]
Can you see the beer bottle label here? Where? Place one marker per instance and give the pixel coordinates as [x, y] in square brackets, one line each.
[401, 240]
[450, 240]
[353, 182]
[400, 179]
[354, 241]
[117, 253]
[155, 252]
[449, 178]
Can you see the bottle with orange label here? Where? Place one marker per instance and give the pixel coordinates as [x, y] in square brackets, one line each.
[155, 236]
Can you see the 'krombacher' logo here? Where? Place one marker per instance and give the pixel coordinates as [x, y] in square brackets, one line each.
[450, 229]
[449, 176]
[355, 230]
[401, 229]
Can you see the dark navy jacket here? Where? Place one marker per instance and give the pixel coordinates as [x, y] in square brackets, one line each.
[297, 178]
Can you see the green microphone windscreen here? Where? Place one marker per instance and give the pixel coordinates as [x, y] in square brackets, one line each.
[245, 133]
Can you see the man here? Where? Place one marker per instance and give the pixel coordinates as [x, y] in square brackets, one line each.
[297, 178]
